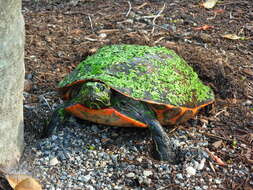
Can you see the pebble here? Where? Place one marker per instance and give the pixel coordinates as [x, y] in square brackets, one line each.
[139, 159]
[86, 178]
[201, 164]
[147, 181]
[130, 175]
[102, 35]
[190, 171]
[54, 161]
[117, 166]
[89, 187]
[247, 103]
[179, 176]
[217, 181]
[198, 188]
[147, 173]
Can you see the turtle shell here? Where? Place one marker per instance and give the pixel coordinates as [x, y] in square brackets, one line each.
[155, 75]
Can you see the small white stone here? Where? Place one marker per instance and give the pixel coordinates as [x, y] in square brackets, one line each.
[147, 173]
[86, 178]
[139, 159]
[190, 171]
[201, 164]
[54, 161]
[89, 187]
[179, 176]
[130, 175]
[102, 35]
[217, 181]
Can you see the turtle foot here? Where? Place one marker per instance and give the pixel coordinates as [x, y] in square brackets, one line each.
[56, 122]
[53, 126]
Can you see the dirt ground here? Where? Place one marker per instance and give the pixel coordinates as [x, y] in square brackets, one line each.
[59, 34]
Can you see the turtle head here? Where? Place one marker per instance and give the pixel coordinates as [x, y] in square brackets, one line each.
[95, 95]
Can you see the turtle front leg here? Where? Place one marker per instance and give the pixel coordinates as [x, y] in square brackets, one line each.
[165, 149]
[56, 121]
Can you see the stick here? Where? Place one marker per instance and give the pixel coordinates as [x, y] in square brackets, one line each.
[91, 23]
[130, 8]
[159, 14]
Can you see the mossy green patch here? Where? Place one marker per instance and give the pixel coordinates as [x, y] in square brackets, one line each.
[143, 72]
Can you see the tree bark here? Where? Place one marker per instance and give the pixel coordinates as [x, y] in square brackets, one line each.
[11, 82]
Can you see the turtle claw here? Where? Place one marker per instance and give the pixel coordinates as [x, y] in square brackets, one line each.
[53, 126]
[56, 121]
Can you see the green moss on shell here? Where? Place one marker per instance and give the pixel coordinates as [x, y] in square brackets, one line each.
[143, 72]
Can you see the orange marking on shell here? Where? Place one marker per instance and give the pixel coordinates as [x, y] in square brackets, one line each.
[108, 116]
[174, 120]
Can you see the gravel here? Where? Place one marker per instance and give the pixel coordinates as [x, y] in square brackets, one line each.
[89, 156]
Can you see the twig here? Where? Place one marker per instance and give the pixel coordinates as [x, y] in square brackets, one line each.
[217, 137]
[234, 2]
[217, 114]
[90, 39]
[170, 185]
[155, 25]
[91, 24]
[142, 5]
[160, 39]
[130, 8]
[45, 100]
[108, 31]
[159, 14]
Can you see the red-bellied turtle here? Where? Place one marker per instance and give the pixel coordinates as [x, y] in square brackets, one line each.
[135, 86]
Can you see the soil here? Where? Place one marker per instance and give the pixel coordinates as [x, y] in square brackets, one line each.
[60, 34]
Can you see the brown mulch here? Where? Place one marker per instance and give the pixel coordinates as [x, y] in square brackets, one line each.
[59, 34]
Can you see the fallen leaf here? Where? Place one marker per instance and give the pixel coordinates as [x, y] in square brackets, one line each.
[216, 158]
[210, 4]
[28, 184]
[23, 182]
[248, 72]
[217, 144]
[249, 156]
[248, 138]
[205, 27]
[231, 36]
[14, 179]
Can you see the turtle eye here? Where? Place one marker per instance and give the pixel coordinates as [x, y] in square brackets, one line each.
[101, 87]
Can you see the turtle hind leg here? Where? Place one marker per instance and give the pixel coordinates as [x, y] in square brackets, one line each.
[164, 148]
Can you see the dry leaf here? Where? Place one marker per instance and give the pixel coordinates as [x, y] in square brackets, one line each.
[248, 72]
[249, 156]
[28, 184]
[23, 182]
[216, 158]
[231, 36]
[205, 27]
[210, 4]
[14, 179]
[217, 144]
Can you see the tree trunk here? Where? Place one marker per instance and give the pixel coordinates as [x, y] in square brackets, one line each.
[11, 82]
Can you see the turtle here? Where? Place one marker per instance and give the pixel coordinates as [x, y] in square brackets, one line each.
[134, 86]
